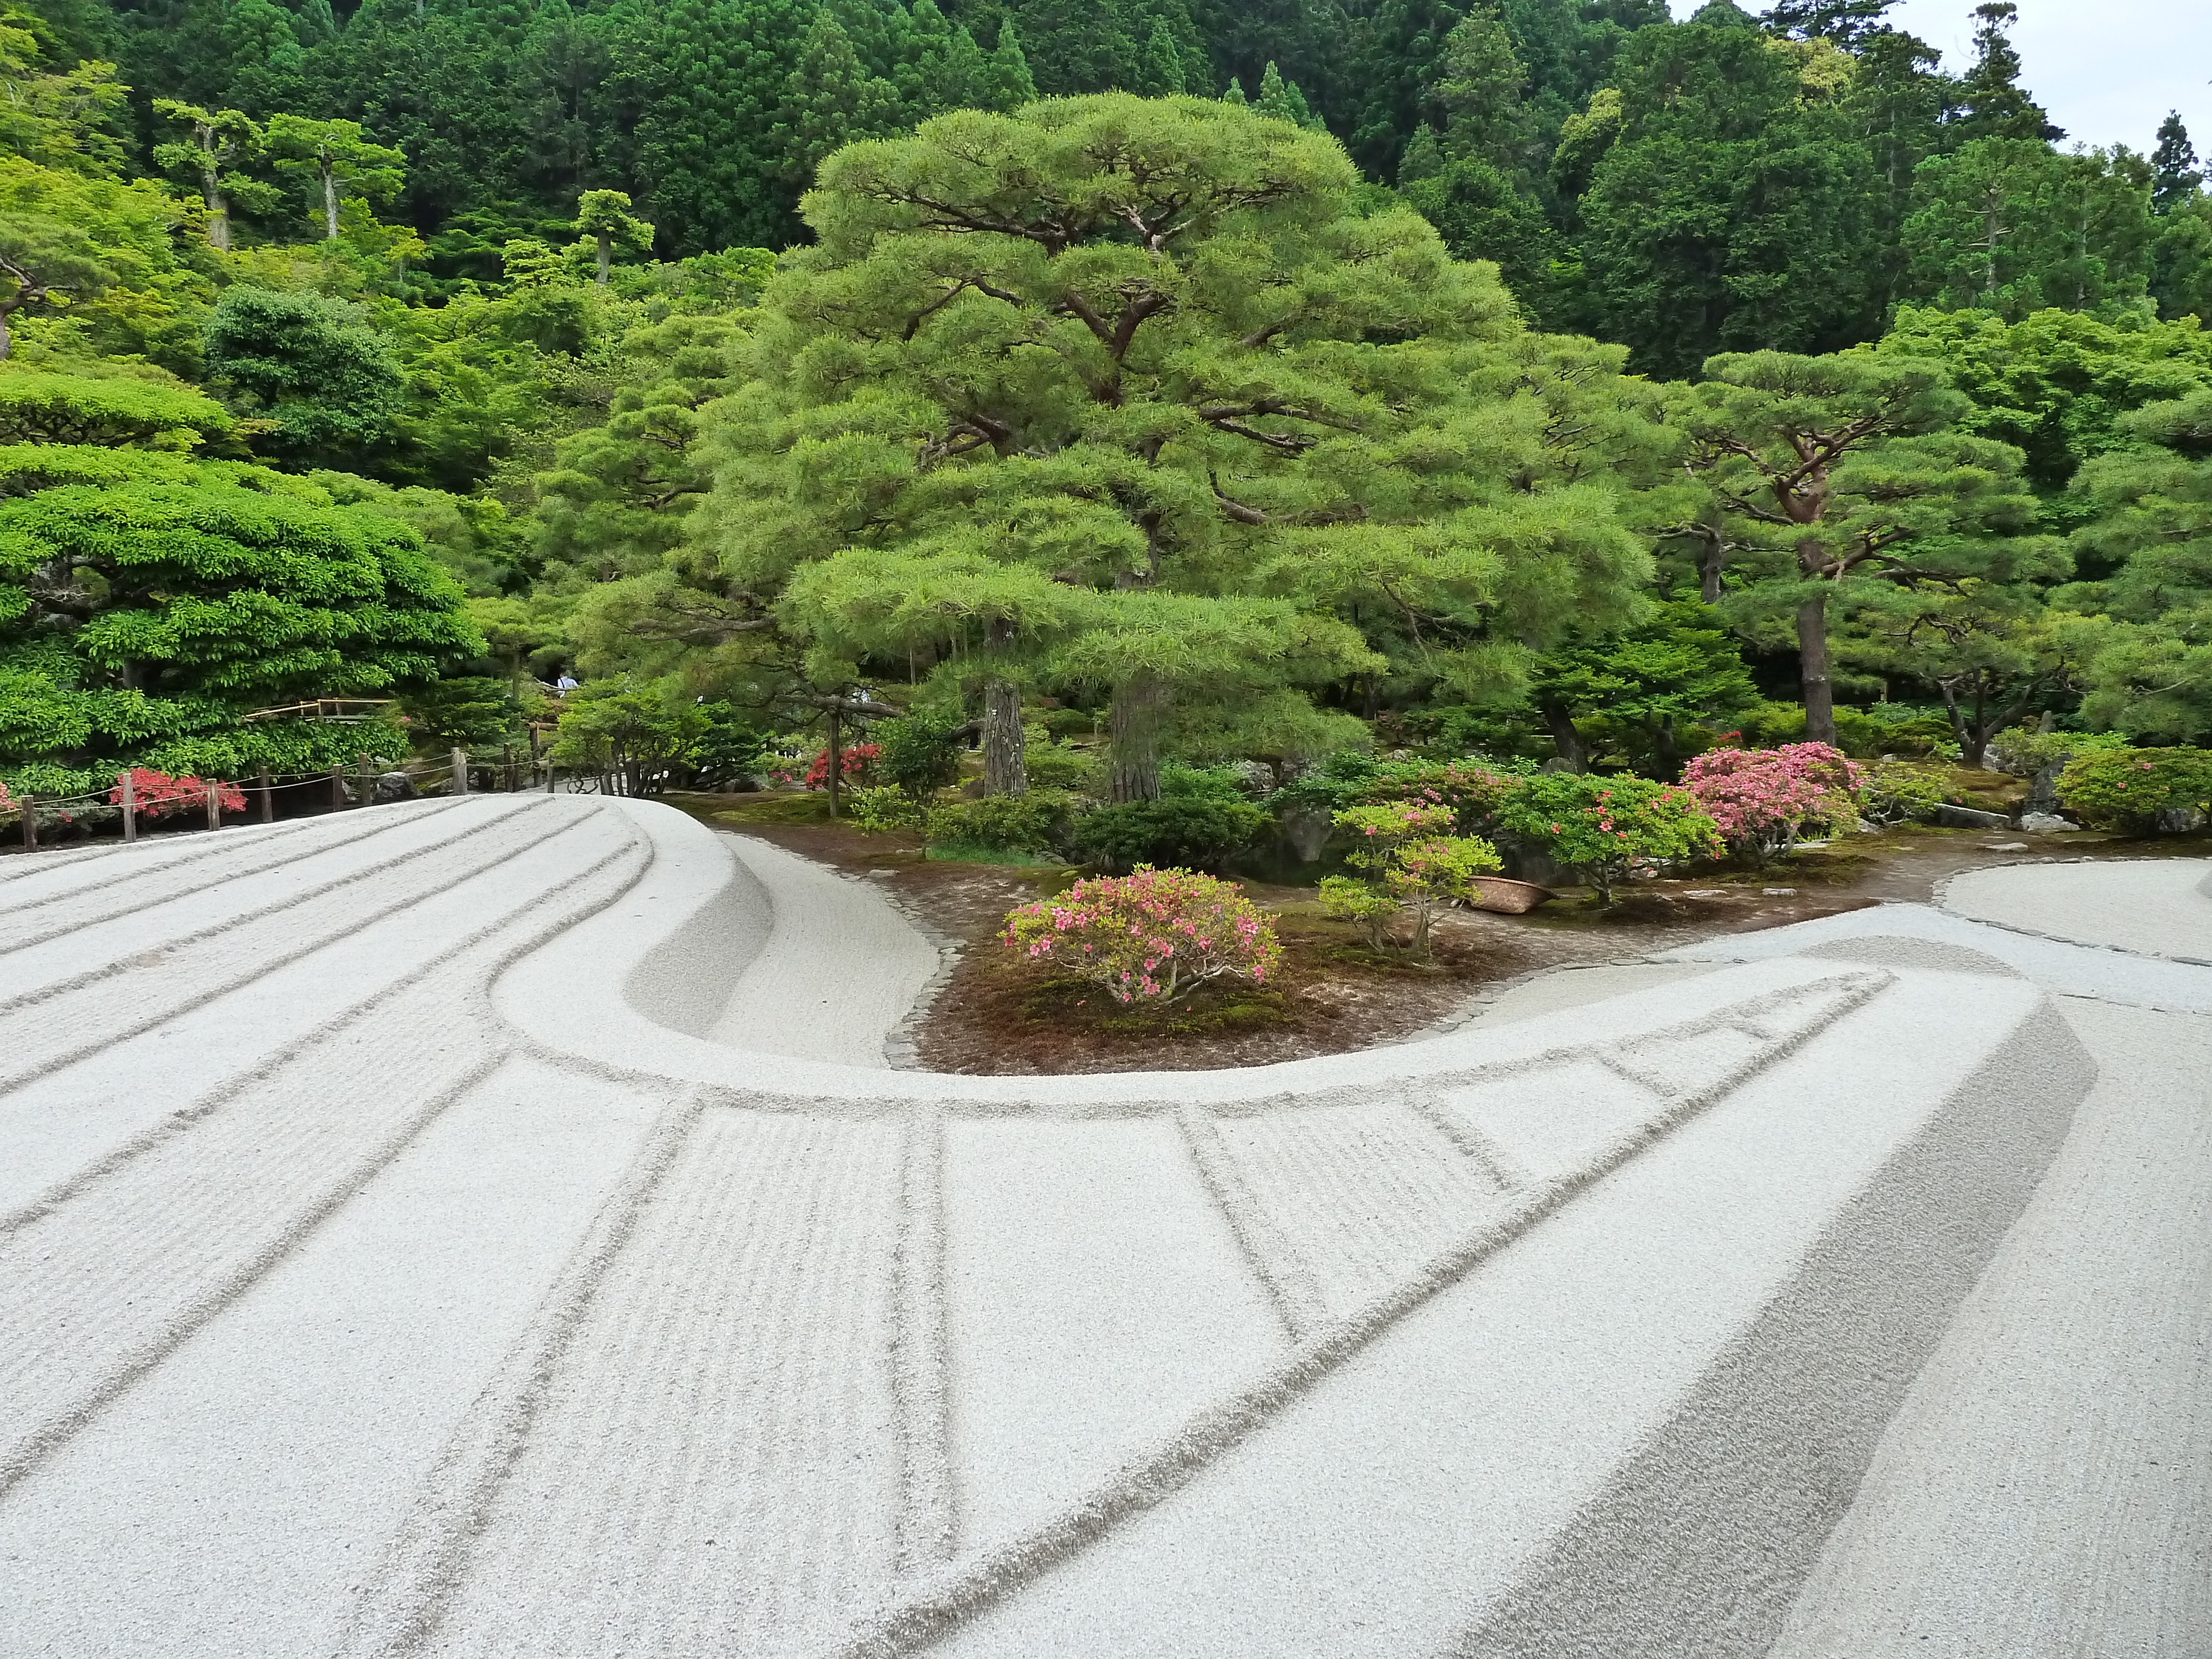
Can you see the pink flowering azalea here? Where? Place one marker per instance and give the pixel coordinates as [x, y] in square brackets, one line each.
[1098, 931]
[1761, 797]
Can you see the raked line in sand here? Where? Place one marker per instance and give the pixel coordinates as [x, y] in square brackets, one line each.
[492, 1227]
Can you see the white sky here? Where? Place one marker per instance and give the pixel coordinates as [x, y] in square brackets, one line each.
[2108, 70]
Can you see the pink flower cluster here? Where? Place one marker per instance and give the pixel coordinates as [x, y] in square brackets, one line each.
[156, 795]
[1150, 937]
[1765, 794]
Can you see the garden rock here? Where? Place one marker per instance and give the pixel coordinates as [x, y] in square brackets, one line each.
[1969, 817]
[2043, 824]
[2179, 821]
[1305, 832]
[394, 787]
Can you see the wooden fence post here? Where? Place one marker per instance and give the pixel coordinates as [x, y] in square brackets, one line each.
[337, 788]
[214, 806]
[368, 783]
[506, 765]
[267, 799]
[461, 771]
[30, 823]
[130, 807]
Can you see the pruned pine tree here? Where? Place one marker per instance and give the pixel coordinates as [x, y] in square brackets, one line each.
[339, 161]
[1838, 477]
[1148, 352]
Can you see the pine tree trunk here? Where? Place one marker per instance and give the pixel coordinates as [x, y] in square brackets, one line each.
[1004, 771]
[606, 257]
[218, 224]
[1813, 670]
[834, 774]
[1565, 738]
[330, 203]
[1132, 738]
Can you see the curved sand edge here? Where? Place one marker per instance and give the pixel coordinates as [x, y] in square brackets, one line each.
[1053, 1364]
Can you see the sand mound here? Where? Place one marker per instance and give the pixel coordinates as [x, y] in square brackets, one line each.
[488, 1227]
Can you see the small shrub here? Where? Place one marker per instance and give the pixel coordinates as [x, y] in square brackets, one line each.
[1052, 765]
[920, 753]
[1896, 792]
[1363, 904]
[1760, 799]
[1471, 787]
[1182, 831]
[1412, 864]
[999, 824]
[2128, 788]
[882, 807]
[157, 795]
[1150, 937]
[2025, 753]
[1606, 827]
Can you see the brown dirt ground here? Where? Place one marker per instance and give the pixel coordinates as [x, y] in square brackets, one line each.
[994, 1015]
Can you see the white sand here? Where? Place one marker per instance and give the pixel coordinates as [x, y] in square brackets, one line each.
[489, 1227]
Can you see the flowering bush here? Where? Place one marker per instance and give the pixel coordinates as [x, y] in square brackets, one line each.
[1761, 797]
[157, 794]
[855, 765]
[2128, 788]
[1150, 937]
[1606, 827]
[1412, 861]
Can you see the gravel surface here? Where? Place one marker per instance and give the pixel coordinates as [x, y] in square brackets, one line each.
[491, 1227]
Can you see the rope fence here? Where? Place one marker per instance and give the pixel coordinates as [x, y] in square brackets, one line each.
[259, 793]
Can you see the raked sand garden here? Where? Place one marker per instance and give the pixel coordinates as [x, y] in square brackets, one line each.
[498, 1226]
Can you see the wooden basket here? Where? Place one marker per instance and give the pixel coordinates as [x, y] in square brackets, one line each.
[1511, 897]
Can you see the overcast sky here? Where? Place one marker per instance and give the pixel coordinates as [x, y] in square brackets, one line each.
[2108, 70]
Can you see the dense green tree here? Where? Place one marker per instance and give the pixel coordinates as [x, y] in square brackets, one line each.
[2011, 226]
[2055, 384]
[311, 366]
[339, 160]
[707, 78]
[1641, 691]
[2175, 176]
[148, 601]
[1151, 354]
[1990, 101]
[213, 156]
[1839, 476]
[1729, 211]
[1848, 23]
[1990, 649]
[2148, 620]
[607, 225]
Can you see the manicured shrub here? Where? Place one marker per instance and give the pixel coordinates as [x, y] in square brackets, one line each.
[1472, 787]
[882, 807]
[2128, 788]
[1606, 827]
[1150, 937]
[999, 824]
[919, 752]
[1179, 831]
[158, 795]
[1896, 792]
[1760, 799]
[1412, 863]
